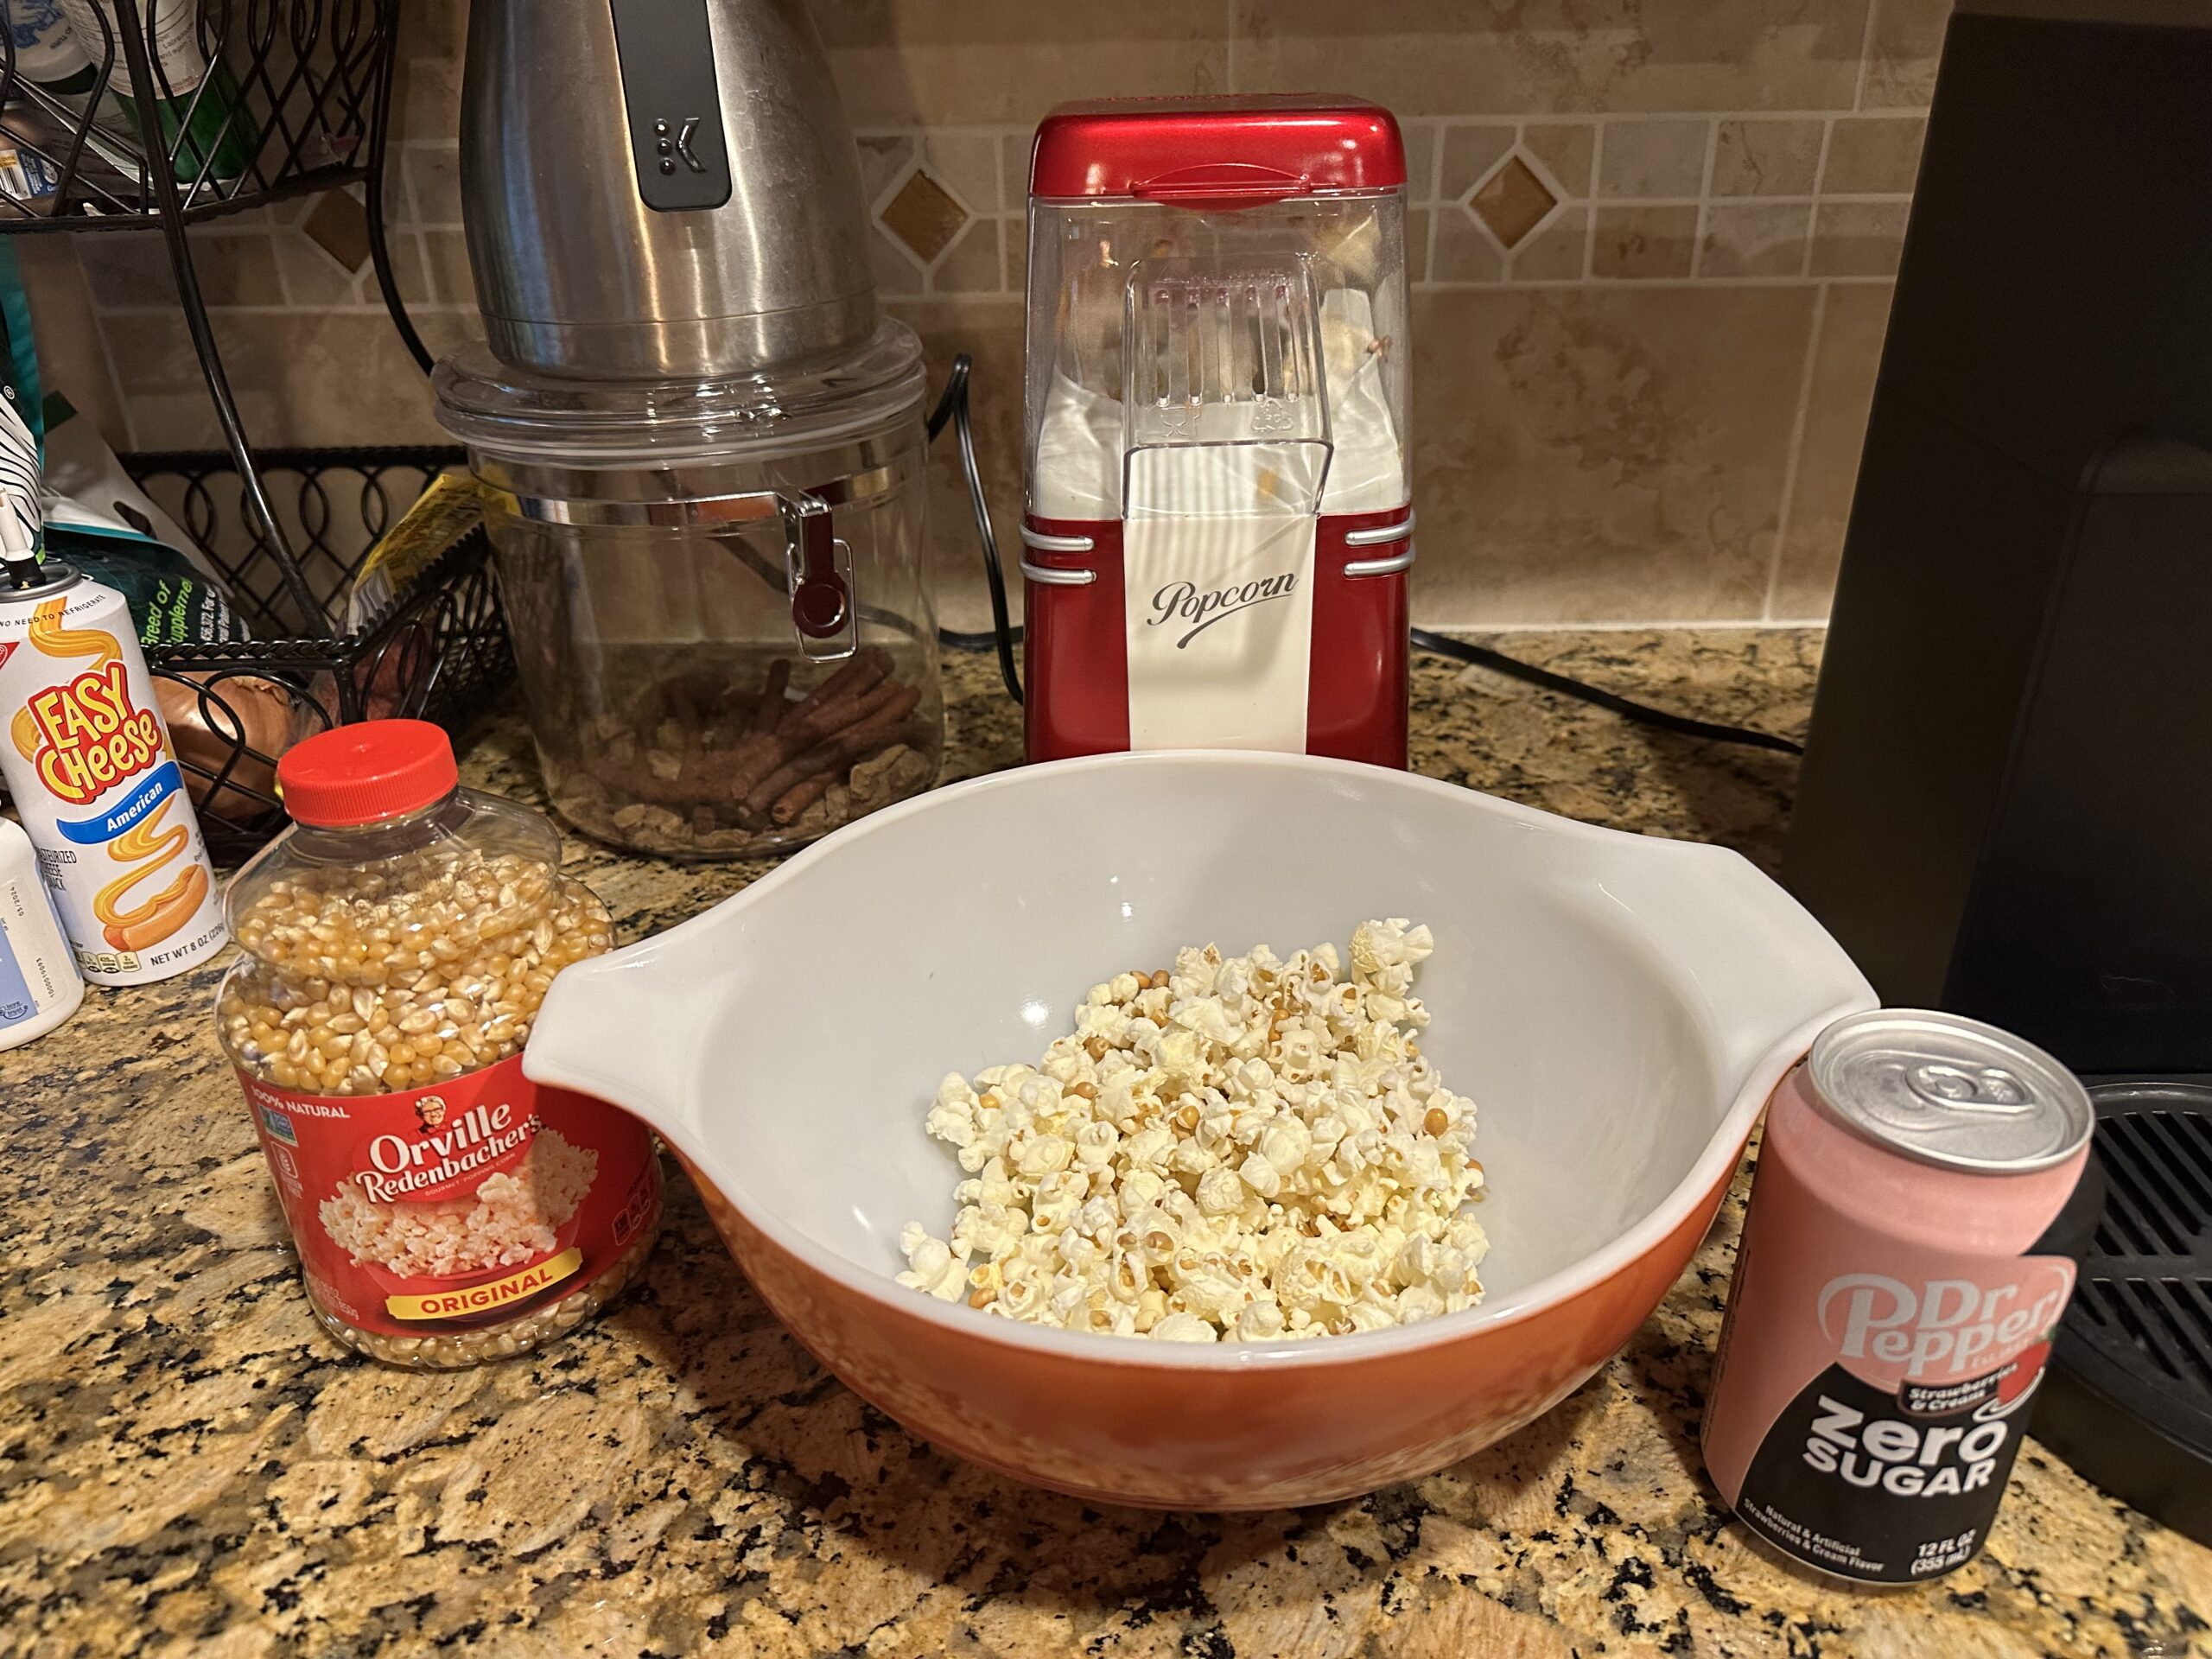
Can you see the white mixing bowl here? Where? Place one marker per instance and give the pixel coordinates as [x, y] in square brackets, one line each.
[1620, 1006]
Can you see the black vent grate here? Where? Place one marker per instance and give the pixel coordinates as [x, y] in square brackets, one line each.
[2159, 1168]
[2169, 1321]
[2128, 1400]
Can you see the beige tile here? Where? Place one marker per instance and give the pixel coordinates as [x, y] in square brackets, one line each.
[1754, 238]
[1013, 166]
[71, 358]
[131, 268]
[446, 329]
[1873, 155]
[897, 275]
[1858, 239]
[1556, 251]
[1653, 158]
[301, 378]
[446, 253]
[312, 278]
[338, 378]
[990, 330]
[1421, 140]
[1564, 150]
[435, 27]
[967, 163]
[410, 267]
[1446, 57]
[433, 173]
[1471, 155]
[1907, 38]
[1766, 158]
[127, 268]
[428, 99]
[1602, 455]
[1842, 387]
[1014, 240]
[1642, 243]
[294, 209]
[1462, 251]
[969, 62]
[883, 160]
[186, 420]
[1417, 242]
[971, 265]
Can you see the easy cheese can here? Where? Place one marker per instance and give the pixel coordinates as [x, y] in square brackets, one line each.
[88, 764]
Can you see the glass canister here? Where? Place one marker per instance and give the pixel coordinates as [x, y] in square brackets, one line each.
[717, 592]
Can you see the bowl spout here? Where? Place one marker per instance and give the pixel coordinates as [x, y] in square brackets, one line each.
[1763, 975]
[626, 1028]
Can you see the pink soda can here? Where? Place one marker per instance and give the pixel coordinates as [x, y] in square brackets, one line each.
[1887, 1326]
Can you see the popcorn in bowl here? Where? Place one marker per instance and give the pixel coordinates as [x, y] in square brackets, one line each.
[1238, 1150]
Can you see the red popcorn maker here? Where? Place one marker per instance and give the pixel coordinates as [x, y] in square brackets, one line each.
[1218, 522]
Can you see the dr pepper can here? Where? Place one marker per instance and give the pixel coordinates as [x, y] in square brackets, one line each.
[1886, 1325]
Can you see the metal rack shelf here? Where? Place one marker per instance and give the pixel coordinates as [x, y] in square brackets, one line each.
[185, 110]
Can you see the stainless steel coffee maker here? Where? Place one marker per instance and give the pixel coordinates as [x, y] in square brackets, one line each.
[704, 445]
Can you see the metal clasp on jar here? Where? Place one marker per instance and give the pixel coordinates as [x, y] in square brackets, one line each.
[818, 564]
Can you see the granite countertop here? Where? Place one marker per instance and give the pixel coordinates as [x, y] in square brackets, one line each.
[191, 1465]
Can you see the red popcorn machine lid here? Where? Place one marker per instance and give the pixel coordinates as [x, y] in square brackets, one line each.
[1217, 150]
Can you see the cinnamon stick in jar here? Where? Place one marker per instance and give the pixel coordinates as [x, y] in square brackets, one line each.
[800, 796]
[831, 706]
[770, 713]
[835, 763]
[882, 713]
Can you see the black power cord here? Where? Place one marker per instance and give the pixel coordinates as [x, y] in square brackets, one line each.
[952, 408]
[1643, 714]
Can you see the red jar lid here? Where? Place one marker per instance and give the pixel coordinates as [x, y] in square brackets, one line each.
[354, 775]
[1224, 151]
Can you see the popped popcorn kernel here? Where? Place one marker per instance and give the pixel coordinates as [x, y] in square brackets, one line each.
[1238, 1149]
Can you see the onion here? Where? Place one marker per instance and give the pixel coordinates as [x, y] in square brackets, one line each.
[252, 711]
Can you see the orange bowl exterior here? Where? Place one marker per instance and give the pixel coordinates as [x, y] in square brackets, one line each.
[1117, 1428]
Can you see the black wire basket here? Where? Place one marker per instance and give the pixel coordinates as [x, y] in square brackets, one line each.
[125, 110]
[438, 651]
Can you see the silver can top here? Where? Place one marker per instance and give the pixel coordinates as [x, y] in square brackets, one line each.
[52, 577]
[1951, 1090]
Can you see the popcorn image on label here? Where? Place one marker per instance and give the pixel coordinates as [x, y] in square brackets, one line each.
[513, 1217]
[1241, 1149]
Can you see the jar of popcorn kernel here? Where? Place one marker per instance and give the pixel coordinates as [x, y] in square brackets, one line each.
[398, 940]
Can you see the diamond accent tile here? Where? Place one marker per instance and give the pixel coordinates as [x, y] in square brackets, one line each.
[1513, 201]
[339, 226]
[924, 216]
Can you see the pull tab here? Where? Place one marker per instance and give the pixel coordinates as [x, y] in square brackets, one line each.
[1980, 1089]
[819, 567]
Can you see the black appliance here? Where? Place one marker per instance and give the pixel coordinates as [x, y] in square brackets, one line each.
[2005, 808]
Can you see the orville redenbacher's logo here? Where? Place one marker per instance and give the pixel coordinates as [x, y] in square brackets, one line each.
[1181, 602]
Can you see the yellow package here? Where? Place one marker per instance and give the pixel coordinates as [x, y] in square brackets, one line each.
[447, 510]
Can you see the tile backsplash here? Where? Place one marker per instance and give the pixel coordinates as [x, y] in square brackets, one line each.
[1652, 246]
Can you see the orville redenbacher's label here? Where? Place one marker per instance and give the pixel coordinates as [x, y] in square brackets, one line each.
[456, 1206]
